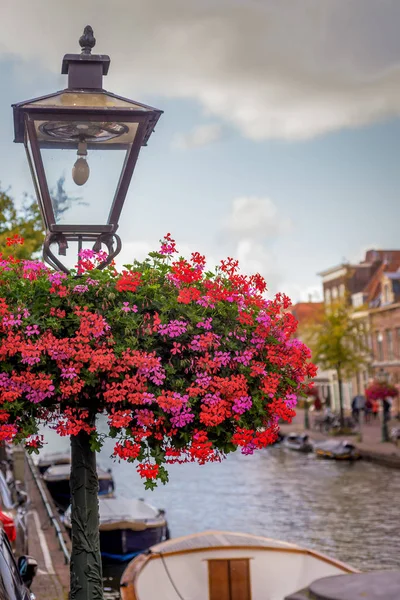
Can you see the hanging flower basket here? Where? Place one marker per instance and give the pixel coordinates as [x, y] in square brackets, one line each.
[380, 391]
[186, 364]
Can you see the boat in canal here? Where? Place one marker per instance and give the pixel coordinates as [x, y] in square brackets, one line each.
[336, 450]
[280, 438]
[221, 565]
[378, 585]
[57, 481]
[53, 459]
[127, 527]
[300, 442]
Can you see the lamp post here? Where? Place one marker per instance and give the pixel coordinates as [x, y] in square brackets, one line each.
[383, 377]
[83, 140]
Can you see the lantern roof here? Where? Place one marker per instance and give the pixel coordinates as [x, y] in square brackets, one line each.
[82, 101]
[84, 94]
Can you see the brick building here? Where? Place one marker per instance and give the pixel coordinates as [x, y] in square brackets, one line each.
[346, 280]
[372, 287]
[385, 337]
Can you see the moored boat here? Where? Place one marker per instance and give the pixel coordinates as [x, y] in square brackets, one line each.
[57, 481]
[377, 585]
[300, 442]
[336, 450]
[127, 527]
[53, 459]
[225, 565]
[280, 438]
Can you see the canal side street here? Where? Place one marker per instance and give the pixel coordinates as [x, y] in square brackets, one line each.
[371, 448]
[274, 466]
[52, 579]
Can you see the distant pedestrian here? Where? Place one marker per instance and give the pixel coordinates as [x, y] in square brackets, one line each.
[317, 404]
[354, 409]
[375, 409]
[387, 405]
[368, 410]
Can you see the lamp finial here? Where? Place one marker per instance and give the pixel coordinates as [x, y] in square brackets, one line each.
[87, 41]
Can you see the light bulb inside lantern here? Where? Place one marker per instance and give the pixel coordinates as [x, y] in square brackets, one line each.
[80, 170]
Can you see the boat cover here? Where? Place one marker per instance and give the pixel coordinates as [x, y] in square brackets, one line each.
[125, 513]
[217, 539]
[54, 458]
[62, 473]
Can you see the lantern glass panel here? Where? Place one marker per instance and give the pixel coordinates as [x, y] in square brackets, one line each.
[83, 161]
[31, 163]
[89, 203]
[76, 99]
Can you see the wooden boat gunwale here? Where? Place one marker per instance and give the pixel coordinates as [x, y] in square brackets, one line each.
[136, 566]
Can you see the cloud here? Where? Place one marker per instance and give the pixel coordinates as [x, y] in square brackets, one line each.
[250, 232]
[254, 217]
[254, 257]
[288, 70]
[199, 136]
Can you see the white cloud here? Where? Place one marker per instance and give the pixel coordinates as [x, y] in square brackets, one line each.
[256, 217]
[199, 136]
[284, 69]
[254, 257]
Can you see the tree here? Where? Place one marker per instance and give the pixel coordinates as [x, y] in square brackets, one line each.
[337, 343]
[25, 222]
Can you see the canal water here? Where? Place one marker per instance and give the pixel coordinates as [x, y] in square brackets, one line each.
[349, 511]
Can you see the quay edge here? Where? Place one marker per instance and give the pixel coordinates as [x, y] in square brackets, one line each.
[52, 579]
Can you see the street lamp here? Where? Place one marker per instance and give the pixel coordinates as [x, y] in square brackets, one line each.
[82, 145]
[383, 377]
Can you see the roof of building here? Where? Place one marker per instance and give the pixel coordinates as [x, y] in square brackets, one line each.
[308, 312]
[390, 269]
[371, 258]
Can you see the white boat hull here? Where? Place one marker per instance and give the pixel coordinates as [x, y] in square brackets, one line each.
[274, 569]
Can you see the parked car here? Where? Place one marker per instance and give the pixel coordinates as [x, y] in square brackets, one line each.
[15, 577]
[13, 517]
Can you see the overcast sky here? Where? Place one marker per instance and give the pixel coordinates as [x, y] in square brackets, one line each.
[280, 141]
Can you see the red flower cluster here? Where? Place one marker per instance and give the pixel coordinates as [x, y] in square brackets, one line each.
[15, 240]
[187, 366]
[127, 450]
[379, 391]
[148, 471]
[129, 281]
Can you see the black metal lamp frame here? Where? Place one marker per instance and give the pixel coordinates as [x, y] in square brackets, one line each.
[85, 74]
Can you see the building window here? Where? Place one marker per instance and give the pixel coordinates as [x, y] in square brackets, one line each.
[366, 339]
[334, 293]
[229, 579]
[389, 344]
[328, 296]
[342, 290]
[398, 342]
[386, 293]
[379, 346]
